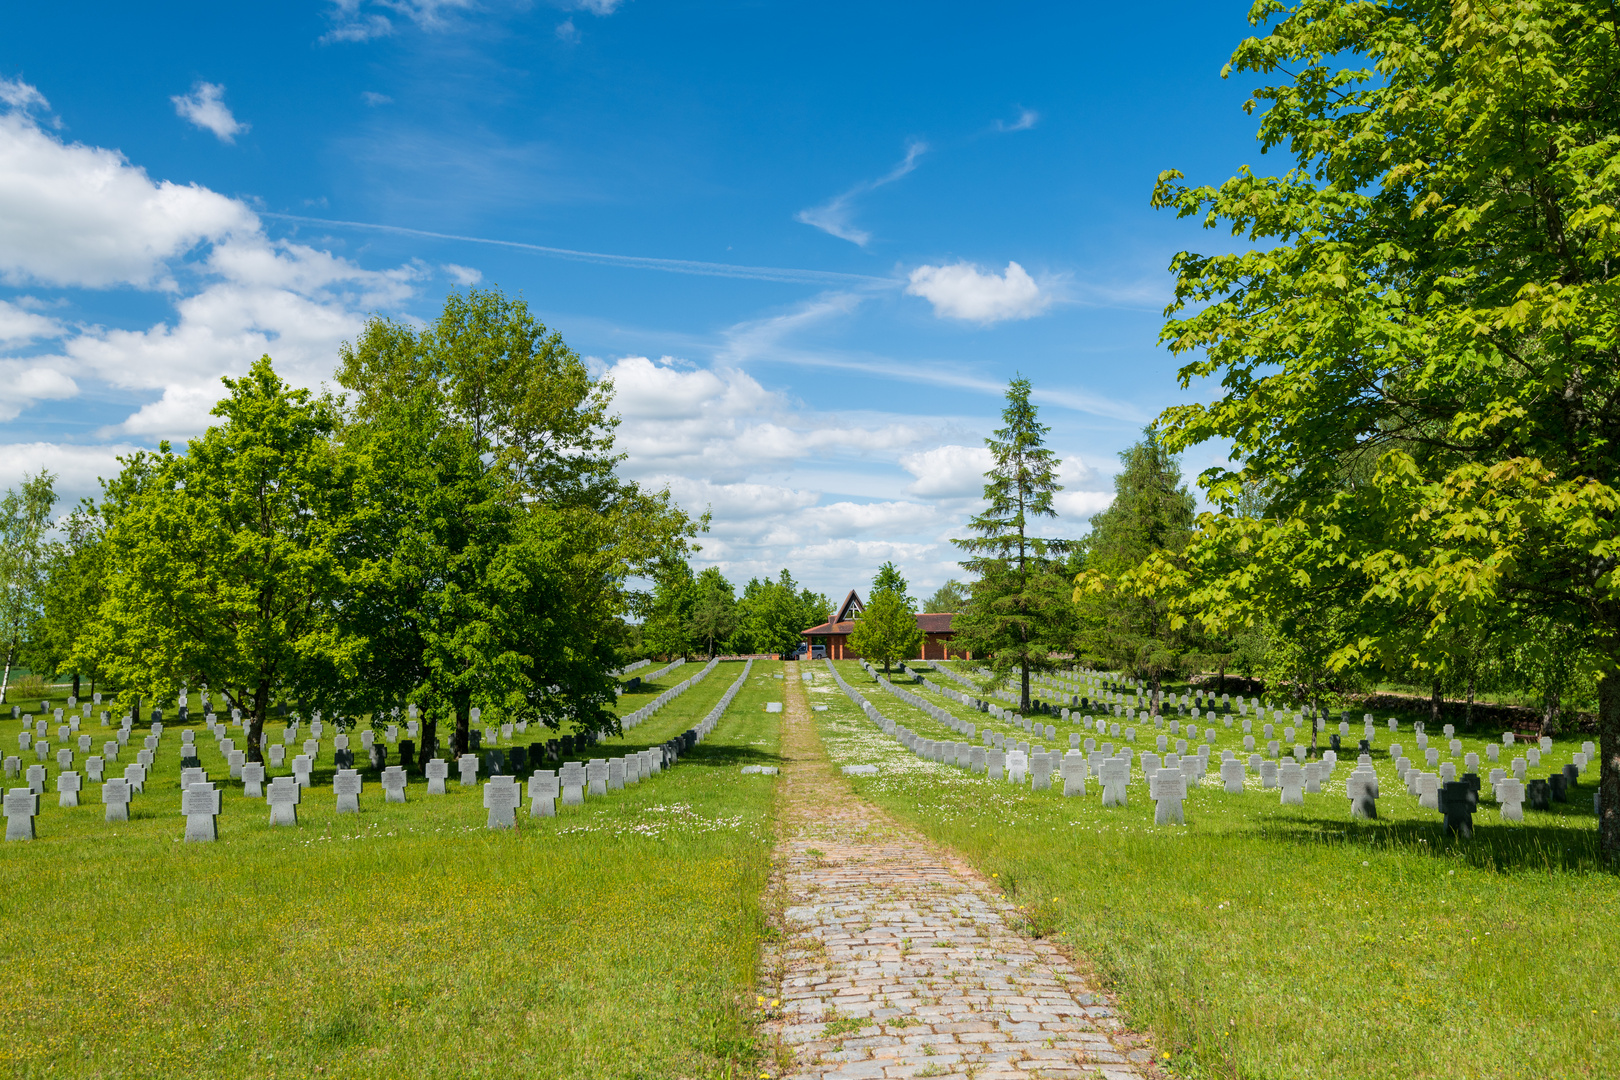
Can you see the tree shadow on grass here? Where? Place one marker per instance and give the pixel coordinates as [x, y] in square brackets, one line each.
[1544, 841]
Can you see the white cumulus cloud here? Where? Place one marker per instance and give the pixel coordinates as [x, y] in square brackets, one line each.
[948, 472]
[85, 217]
[205, 107]
[968, 292]
[77, 215]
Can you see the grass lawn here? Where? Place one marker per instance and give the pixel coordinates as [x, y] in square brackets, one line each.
[1264, 940]
[619, 939]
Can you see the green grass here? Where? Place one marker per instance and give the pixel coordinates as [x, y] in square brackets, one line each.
[619, 939]
[1270, 941]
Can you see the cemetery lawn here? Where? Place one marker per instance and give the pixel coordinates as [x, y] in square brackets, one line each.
[1264, 940]
[619, 939]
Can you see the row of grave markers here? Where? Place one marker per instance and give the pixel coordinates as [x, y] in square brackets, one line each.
[201, 801]
[1169, 780]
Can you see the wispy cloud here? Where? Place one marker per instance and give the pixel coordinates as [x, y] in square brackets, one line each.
[1027, 119]
[359, 20]
[567, 32]
[21, 96]
[834, 216]
[640, 262]
[768, 340]
[372, 98]
[205, 107]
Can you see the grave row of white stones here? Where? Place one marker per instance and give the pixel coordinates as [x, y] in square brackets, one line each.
[236, 758]
[201, 801]
[650, 709]
[665, 670]
[1169, 779]
[1092, 686]
[629, 668]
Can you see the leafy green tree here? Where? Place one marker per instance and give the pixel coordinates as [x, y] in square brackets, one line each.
[491, 564]
[889, 578]
[25, 516]
[887, 630]
[951, 596]
[1431, 288]
[1020, 610]
[70, 600]
[668, 628]
[1131, 626]
[771, 614]
[223, 562]
[714, 610]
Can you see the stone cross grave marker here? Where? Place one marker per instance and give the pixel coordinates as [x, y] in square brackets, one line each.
[468, 766]
[301, 766]
[1292, 779]
[393, 783]
[136, 775]
[502, 797]
[347, 785]
[1115, 775]
[20, 806]
[437, 771]
[284, 795]
[543, 791]
[1167, 793]
[1040, 771]
[1232, 776]
[253, 780]
[1457, 803]
[573, 779]
[278, 755]
[67, 789]
[596, 774]
[36, 779]
[1510, 793]
[115, 795]
[200, 804]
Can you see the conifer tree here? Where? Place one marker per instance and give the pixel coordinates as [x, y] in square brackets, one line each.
[1020, 609]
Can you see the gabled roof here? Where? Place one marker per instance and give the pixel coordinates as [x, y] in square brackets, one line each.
[933, 623]
[851, 607]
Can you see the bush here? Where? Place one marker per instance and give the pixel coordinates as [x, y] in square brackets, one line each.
[26, 688]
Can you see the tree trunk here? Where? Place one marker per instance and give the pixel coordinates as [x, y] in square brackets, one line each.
[255, 732]
[1549, 713]
[75, 686]
[461, 742]
[430, 743]
[1468, 714]
[5, 680]
[1609, 777]
[1434, 705]
[1223, 679]
[1023, 666]
[1153, 697]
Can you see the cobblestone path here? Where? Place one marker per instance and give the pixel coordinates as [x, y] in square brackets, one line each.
[895, 958]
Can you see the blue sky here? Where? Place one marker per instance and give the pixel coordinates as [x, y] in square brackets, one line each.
[812, 241]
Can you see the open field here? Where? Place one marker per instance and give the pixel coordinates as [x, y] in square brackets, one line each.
[619, 939]
[1264, 940]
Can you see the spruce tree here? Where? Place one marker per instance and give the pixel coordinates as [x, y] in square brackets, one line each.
[1020, 610]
